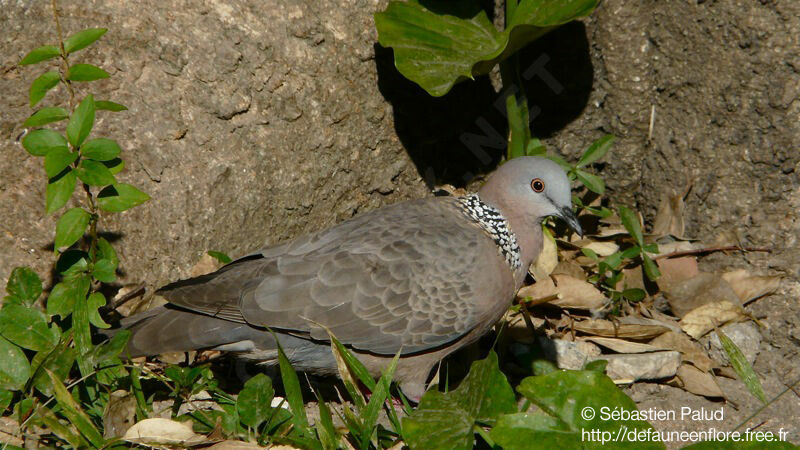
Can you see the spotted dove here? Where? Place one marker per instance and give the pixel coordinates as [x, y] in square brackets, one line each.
[422, 277]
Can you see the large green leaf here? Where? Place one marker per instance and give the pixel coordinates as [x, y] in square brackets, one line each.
[41, 85]
[254, 401]
[27, 327]
[64, 295]
[24, 286]
[578, 400]
[523, 431]
[58, 360]
[446, 420]
[58, 159]
[439, 43]
[95, 173]
[14, 367]
[100, 149]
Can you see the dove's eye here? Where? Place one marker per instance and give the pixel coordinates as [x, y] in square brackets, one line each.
[537, 185]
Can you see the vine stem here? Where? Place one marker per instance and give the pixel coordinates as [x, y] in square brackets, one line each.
[89, 197]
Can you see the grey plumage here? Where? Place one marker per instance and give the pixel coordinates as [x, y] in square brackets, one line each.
[424, 277]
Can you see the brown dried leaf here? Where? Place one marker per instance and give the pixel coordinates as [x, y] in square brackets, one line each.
[691, 351]
[572, 292]
[547, 260]
[676, 270]
[205, 265]
[602, 248]
[698, 382]
[750, 287]
[601, 327]
[623, 346]
[703, 289]
[703, 319]
[669, 218]
[571, 268]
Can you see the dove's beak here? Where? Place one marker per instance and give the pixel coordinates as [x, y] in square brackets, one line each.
[571, 219]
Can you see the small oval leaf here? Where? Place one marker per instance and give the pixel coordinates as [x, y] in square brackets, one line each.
[45, 116]
[41, 85]
[104, 271]
[100, 149]
[40, 142]
[57, 160]
[83, 39]
[119, 197]
[86, 72]
[592, 182]
[109, 106]
[40, 54]
[81, 122]
[95, 173]
[59, 190]
[597, 150]
[71, 226]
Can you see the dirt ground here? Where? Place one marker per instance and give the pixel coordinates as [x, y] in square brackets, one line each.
[291, 130]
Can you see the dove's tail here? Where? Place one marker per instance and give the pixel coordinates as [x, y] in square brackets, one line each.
[165, 329]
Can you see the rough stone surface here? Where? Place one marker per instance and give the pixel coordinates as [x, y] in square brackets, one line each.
[568, 354]
[247, 125]
[642, 366]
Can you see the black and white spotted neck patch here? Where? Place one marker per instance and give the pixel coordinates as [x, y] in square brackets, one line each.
[490, 219]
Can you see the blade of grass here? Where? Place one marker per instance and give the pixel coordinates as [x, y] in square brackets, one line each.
[742, 367]
[370, 413]
[291, 384]
[73, 412]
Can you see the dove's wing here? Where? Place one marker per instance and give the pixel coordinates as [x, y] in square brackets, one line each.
[415, 276]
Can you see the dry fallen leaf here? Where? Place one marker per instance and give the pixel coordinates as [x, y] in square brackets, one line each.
[676, 270]
[571, 292]
[692, 351]
[698, 382]
[703, 319]
[705, 288]
[205, 265]
[623, 346]
[602, 248]
[547, 260]
[669, 218]
[571, 268]
[163, 431]
[750, 287]
[601, 327]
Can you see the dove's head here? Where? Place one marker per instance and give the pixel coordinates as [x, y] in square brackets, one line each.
[528, 189]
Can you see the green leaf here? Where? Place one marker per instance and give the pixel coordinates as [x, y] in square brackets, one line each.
[105, 271]
[518, 128]
[73, 412]
[24, 285]
[81, 122]
[59, 190]
[634, 294]
[631, 252]
[576, 400]
[596, 151]
[40, 54]
[81, 333]
[369, 415]
[109, 106]
[325, 429]
[59, 360]
[86, 72]
[650, 268]
[447, 42]
[64, 295]
[72, 263]
[41, 142]
[630, 220]
[535, 148]
[41, 85]
[115, 165]
[447, 420]
[95, 301]
[291, 385]
[592, 182]
[107, 251]
[253, 403]
[219, 256]
[742, 367]
[597, 365]
[14, 367]
[27, 327]
[45, 116]
[71, 227]
[57, 160]
[119, 197]
[54, 424]
[95, 173]
[100, 149]
[6, 396]
[522, 431]
[83, 39]
[560, 161]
